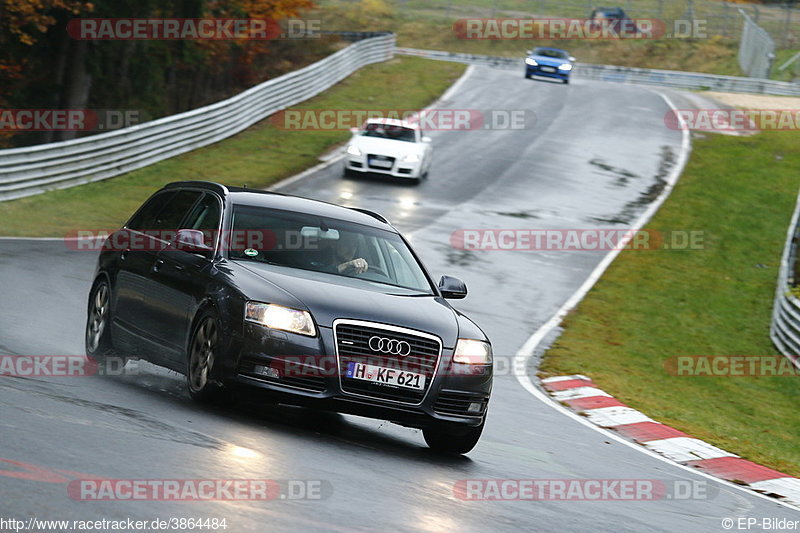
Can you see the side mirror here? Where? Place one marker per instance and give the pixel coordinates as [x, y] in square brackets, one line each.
[427, 139]
[572, 58]
[353, 130]
[193, 241]
[452, 288]
[528, 52]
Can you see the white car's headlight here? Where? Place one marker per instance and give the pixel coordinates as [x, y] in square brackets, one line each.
[353, 150]
[411, 158]
[472, 352]
[279, 317]
[565, 66]
[530, 61]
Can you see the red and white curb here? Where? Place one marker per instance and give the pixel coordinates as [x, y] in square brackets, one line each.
[582, 395]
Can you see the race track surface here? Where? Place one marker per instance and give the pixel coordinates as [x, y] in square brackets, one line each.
[595, 157]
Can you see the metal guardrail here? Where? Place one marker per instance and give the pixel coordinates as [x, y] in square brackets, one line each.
[644, 76]
[785, 327]
[32, 170]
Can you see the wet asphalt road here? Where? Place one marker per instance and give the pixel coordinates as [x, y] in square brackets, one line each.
[593, 159]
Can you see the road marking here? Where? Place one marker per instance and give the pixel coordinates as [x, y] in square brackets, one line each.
[683, 449]
[616, 416]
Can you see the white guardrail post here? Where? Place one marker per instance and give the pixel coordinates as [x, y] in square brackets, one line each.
[35, 169]
[785, 327]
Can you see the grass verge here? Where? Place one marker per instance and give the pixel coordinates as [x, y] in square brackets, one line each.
[258, 157]
[651, 306]
[425, 25]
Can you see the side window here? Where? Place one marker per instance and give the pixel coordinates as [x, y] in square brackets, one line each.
[145, 218]
[205, 214]
[171, 216]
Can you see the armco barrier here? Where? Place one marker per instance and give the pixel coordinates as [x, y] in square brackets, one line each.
[785, 328]
[32, 170]
[644, 76]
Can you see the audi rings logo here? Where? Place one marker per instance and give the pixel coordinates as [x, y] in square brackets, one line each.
[390, 346]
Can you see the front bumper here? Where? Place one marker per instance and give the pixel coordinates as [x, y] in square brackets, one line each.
[308, 375]
[399, 168]
[537, 71]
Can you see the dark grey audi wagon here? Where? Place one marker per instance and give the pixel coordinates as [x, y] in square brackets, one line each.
[313, 303]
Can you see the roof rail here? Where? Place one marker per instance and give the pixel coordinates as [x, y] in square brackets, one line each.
[373, 214]
[210, 185]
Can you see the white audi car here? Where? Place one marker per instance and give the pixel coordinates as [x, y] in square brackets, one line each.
[391, 147]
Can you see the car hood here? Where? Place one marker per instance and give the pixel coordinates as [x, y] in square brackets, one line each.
[549, 61]
[376, 145]
[329, 297]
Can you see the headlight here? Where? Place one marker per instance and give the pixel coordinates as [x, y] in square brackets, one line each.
[411, 158]
[279, 317]
[565, 66]
[530, 61]
[472, 352]
[353, 150]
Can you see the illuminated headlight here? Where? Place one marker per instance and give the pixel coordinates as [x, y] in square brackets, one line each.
[353, 150]
[472, 352]
[566, 66]
[411, 158]
[279, 317]
[530, 61]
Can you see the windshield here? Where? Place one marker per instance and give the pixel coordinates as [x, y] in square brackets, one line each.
[548, 52]
[331, 246]
[389, 131]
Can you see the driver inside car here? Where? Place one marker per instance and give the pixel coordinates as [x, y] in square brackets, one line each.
[342, 255]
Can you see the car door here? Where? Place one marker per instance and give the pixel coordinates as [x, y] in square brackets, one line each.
[135, 258]
[163, 227]
[178, 278]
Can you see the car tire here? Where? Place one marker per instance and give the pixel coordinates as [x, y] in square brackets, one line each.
[347, 173]
[527, 76]
[97, 338]
[450, 441]
[202, 357]
[566, 82]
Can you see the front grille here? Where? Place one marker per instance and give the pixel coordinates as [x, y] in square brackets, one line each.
[457, 403]
[372, 158]
[312, 381]
[352, 345]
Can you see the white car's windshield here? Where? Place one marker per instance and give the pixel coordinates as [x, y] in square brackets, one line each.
[389, 131]
[332, 246]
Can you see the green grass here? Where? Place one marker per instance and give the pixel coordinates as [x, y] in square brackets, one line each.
[430, 25]
[258, 157]
[650, 306]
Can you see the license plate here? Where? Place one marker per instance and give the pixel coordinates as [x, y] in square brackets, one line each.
[385, 376]
[380, 163]
[548, 69]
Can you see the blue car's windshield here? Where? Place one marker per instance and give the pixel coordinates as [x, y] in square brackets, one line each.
[549, 52]
[308, 242]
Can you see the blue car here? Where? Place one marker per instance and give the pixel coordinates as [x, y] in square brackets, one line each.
[550, 63]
